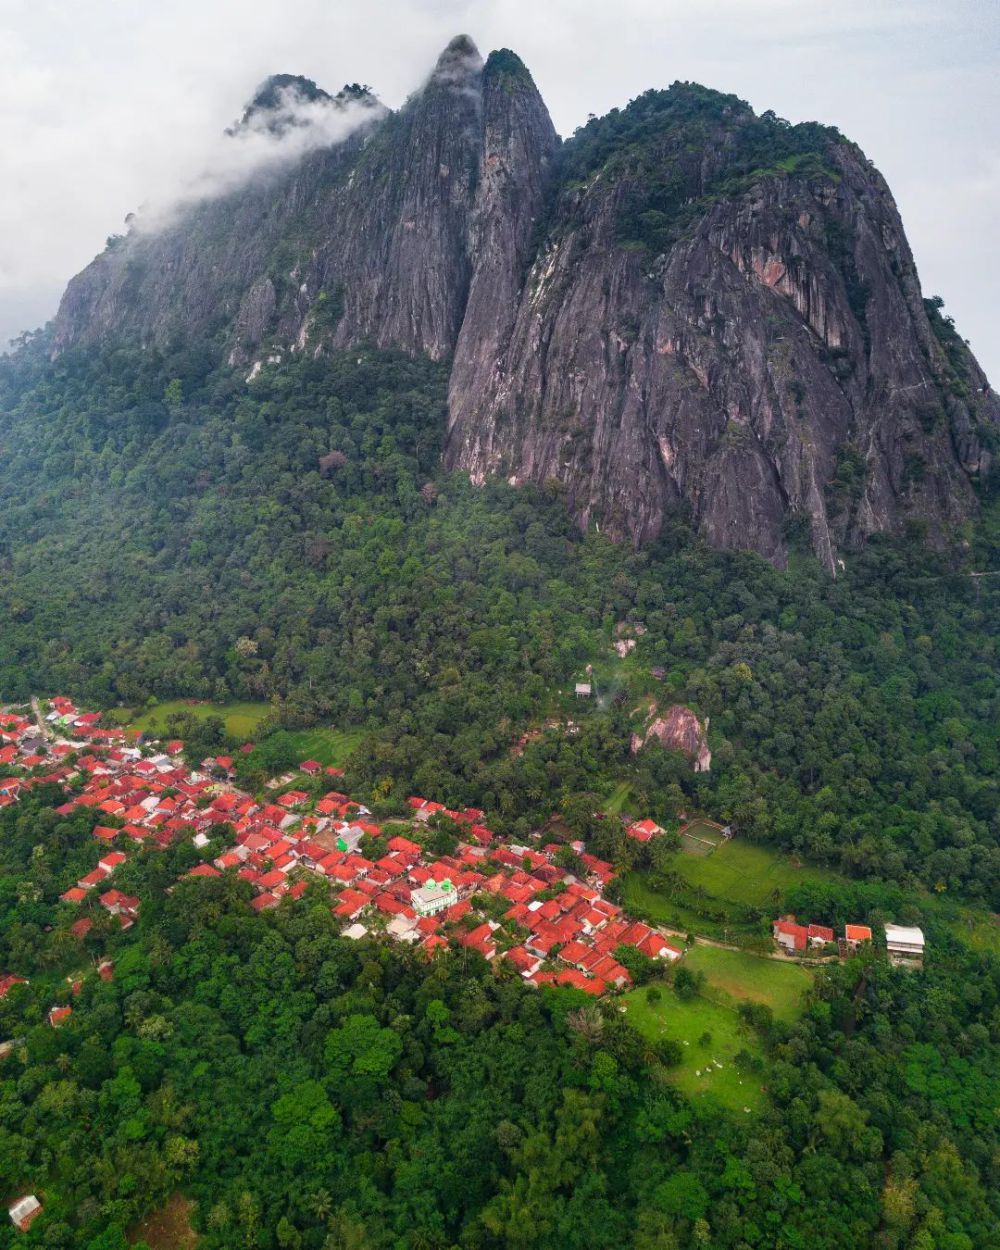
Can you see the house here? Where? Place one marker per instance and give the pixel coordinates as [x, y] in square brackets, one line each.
[583, 690]
[644, 830]
[855, 934]
[8, 982]
[819, 935]
[312, 767]
[58, 1014]
[480, 939]
[432, 897]
[403, 929]
[793, 937]
[125, 906]
[355, 932]
[23, 1210]
[92, 878]
[524, 961]
[904, 944]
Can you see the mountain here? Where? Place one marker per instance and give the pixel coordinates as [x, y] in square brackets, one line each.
[684, 309]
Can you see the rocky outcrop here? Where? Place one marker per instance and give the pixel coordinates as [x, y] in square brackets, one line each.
[733, 375]
[676, 729]
[685, 309]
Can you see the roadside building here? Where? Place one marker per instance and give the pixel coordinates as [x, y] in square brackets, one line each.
[856, 934]
[789, 935]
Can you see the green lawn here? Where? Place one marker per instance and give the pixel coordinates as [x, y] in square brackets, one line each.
[735, 976]
[241, 718]
[698, 838]
[613, 805]
[978, 929]
[325, 746]
[741, 872]
[642, 899]
[697, 1075]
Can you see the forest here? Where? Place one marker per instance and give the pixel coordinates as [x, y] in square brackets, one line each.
[172, 530]
[307, 1091]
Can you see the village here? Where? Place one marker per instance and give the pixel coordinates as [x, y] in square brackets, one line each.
[512, 904]
[501, 900]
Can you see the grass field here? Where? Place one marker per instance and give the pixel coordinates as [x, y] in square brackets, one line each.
[641, 898]
[699, 838]
[741, 872]
[697, 1075]
[326, 746]
[978, 929]
[733, 977]
[613, 805]
[241, 718]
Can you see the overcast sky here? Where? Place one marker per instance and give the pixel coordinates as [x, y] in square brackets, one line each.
[105, 105]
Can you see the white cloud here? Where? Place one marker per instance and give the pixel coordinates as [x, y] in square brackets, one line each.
[105, 106]
[266, 143]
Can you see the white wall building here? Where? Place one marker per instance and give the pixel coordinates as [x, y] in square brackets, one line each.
[433, 897]
[904, 943]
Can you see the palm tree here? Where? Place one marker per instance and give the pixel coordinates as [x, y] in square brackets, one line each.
[320, 1205]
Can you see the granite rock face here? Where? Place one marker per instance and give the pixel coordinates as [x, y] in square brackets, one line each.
[684, 309]
[676, 729]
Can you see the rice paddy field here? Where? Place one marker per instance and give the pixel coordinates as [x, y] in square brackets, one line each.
[742, 872]
[329, 747]
[241, 719]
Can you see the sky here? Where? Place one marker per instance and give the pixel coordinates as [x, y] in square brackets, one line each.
[106, 105]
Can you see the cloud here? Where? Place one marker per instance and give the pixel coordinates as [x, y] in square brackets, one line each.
[264, 143]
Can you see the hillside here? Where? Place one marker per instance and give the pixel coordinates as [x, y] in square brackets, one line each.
[684, 310]
[170, 531]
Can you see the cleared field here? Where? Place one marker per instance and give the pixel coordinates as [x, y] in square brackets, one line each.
[641, 898]
[617, 799]
[699, 838]
[733, 977]
[329, 747]
[241, 718]
[698, 1075]
[169, 1228]
[978, 929]
[741, 872]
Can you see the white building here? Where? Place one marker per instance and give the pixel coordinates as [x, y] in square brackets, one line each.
[23, 1210]
[583, 689]
[403, 929]
[433, 897]
[904, 943]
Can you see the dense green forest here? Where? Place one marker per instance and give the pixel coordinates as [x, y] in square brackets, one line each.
[307, 1091]
[168, 529]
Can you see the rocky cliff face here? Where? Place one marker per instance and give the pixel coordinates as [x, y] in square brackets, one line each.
[686, 308]
[676, 729]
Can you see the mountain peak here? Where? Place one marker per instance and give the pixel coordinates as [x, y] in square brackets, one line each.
[458, 63]
[273, 98]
